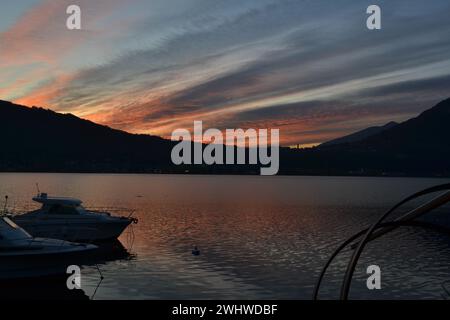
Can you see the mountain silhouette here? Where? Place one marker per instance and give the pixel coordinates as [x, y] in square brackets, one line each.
[36, 139]
[40, 140]
[360, 135]
[416, 147]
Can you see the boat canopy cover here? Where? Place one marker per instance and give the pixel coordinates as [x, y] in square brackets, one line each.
[44, 199]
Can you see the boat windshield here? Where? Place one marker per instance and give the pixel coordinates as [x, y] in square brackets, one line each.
[11, 223]
[63, 209]
[11, 231]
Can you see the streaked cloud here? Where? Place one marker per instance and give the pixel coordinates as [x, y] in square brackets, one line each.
[310, 68]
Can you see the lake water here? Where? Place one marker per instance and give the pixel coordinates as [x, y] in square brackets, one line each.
[259, 237]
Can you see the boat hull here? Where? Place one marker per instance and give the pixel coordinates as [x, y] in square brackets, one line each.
[83, 231]
[25, 266]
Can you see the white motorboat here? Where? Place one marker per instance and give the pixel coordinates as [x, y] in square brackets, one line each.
[67, 219]
[22, 256]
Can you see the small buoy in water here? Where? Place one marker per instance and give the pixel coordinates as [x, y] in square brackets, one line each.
[195, 251]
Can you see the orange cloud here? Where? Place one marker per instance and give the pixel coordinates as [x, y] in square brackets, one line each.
[38, 43]
[38, 36]
[46, 93]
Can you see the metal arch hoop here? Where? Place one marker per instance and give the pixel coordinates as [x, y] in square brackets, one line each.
[406, 220]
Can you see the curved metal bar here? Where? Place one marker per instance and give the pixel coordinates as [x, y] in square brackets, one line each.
[330, 260]
[357, 253]
[342, 246]
[394, 225]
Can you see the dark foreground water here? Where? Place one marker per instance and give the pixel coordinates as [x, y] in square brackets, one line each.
[259, 237]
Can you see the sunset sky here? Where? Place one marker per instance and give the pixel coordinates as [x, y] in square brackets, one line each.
[308, 67]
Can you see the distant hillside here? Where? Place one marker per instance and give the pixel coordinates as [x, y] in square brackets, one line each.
[417, 147]
[35, 139]
[360, 135]
[39, 140]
